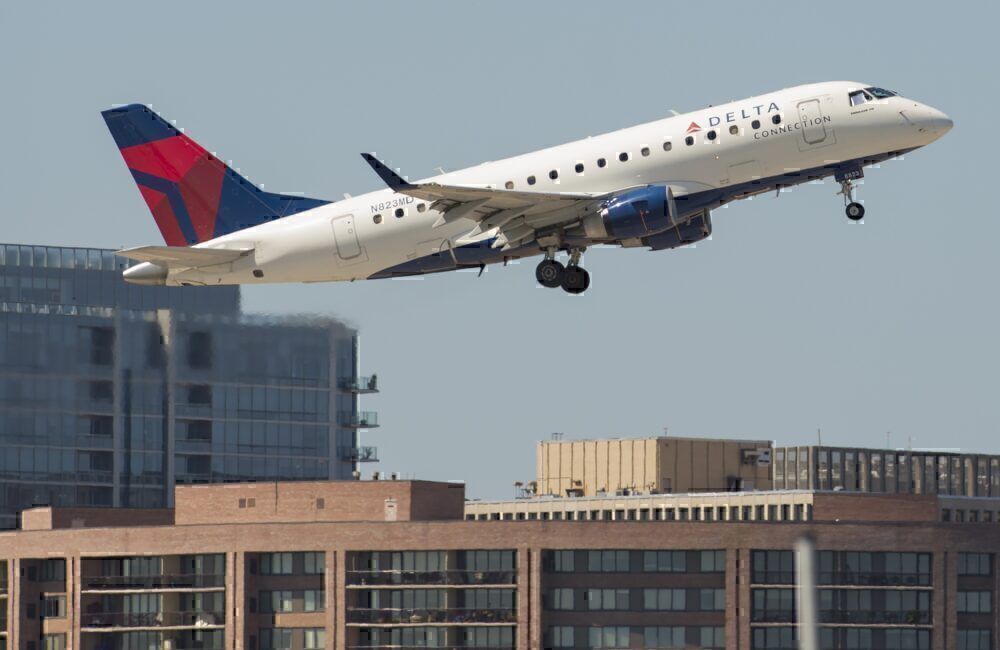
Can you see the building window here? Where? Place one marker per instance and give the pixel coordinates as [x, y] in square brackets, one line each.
[314, 563]
[52, 642]
[972, 640]
[200, 350]
[54, 607]
[563, 561]
[273, 564]
[664, 561]
[713, 561]
[975, 564]
[773, 567]
[606, 599]
[974, 602]
[562, 598]
[561, 636]
[609, 637]
[608, 561]
[52, 571]
[664, 599]
[689, 140]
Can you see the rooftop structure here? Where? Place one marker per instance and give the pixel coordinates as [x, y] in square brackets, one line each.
[662, 465]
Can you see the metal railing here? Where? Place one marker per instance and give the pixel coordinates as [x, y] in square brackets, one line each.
[421, 616]
[360, 454]
[358, 420]
[153, 619]
[359, 384]
[432, 577]
[168, 581]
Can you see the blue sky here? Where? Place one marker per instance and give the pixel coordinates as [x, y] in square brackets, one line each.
[788, 320]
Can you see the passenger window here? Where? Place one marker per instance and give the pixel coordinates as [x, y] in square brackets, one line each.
[689, 140]
[421, 207]
[667, 146]
[712, 134]
[645, 151]
[601, 162]
[776, 119]
[623, 157]
[399, 213]
[509, 185]
[554, 174]
[377, 218]
[734, 130]
[531, 180]
[579, 168]
[755, 124]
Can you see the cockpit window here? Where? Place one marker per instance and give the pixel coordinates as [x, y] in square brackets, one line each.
[881, 93]
[859, 97]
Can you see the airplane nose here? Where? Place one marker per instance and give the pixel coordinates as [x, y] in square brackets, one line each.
[938, 122]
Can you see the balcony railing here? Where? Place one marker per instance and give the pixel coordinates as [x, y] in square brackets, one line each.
[421, 616]
[153, 619]
[358, 420]
[432, 577]
[177, 581]
[359, 384]
[360, 454]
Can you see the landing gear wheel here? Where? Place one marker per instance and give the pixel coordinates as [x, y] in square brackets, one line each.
[855, 211]
[550, 273]
[575, 280]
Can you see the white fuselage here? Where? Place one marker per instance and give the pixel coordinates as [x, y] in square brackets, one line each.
[816, 125]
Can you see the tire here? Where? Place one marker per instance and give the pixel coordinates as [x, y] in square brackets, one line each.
[855, 211]
[550, 273]
[575, 280]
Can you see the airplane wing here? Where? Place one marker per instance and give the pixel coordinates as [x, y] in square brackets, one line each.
[517, 215]
[183, 257]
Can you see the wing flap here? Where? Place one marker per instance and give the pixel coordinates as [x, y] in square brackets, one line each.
[183, 257]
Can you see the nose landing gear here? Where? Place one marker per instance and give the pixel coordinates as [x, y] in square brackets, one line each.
[854, 210]
[551, 273]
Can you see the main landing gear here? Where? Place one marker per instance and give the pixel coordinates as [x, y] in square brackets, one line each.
[855, 211]
[551, 273]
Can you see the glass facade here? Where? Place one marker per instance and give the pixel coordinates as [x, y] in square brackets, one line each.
[886, 470]
[867, 600]
[110, 393]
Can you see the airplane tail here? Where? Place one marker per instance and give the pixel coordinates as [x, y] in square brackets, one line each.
[192, 194]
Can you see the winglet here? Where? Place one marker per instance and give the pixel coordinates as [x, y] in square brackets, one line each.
[391, 178]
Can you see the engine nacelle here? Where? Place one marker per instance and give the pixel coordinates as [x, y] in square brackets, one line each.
[689, 232]
[633, 214]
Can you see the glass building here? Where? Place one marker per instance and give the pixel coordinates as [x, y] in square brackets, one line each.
[110, 393]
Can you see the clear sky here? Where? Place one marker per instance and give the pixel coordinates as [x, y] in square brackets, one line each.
[789, 319]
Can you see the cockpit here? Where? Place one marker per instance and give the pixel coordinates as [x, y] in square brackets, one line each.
[870, 94]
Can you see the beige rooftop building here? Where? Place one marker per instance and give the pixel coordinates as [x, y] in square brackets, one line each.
[661, 465]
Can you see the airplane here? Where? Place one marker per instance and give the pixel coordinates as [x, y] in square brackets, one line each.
[653, 185]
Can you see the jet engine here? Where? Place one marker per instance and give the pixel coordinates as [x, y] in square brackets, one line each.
[632, 214]
[695, 229]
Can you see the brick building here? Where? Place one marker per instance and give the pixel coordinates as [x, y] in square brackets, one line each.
[395, 564]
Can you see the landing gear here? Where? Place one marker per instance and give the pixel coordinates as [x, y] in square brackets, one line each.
[855, 211]
[551, 273]
[575, 279]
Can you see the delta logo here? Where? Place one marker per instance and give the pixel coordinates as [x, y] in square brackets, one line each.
[694, 128]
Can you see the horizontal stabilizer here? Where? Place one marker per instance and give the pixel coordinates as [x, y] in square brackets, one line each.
[181, 257]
